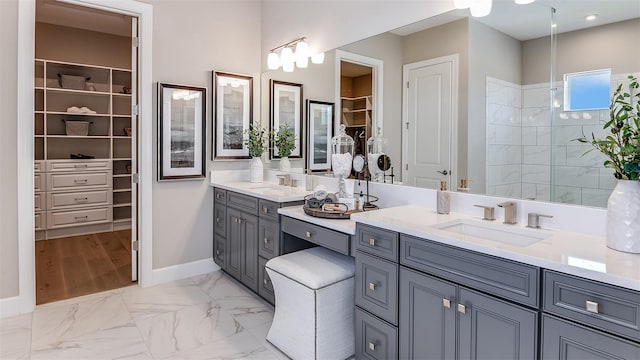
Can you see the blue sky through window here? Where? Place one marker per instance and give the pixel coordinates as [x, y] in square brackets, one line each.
[588, 90]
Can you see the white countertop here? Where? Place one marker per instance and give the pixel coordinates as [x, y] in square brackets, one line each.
[346, 226]
[571, 253]
[264, 190]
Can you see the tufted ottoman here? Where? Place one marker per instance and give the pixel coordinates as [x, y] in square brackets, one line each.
[314, 313]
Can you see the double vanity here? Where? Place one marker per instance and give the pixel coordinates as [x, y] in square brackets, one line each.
[446, 286]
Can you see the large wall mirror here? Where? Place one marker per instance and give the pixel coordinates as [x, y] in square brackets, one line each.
[510, 134]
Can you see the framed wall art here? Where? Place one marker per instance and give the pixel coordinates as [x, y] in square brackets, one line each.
[181, 132]
[233, 102]
[320, 123]
[286, 109]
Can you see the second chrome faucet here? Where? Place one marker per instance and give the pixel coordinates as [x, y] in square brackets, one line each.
[510, 213]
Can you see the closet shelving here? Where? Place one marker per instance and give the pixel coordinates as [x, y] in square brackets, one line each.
[105, 93]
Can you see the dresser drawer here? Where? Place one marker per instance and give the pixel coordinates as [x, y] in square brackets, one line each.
[268, 238]
[59, 219]
[377, 286]
[78, 165]
[505, 278]
[56, 201]
[77, 181]
[376, 241]
[219, 222]
[593, 303]
[375, 339]
[330, 239]
[38, 166]
[39, 202]
[220, 195]
[268, 209]
[39, 183]
[265, 287]
[40, 221]
[242, 202]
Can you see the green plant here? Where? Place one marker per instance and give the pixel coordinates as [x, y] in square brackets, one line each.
[284, 139]
[622, 145]
[256, 139]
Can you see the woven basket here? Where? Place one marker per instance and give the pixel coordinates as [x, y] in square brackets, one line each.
[77, 128]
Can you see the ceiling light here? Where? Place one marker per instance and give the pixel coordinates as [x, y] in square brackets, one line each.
[591, 17]
[480, 8]
[286, 56]
[273, 61]
[302, 54]
[524, 2]
[462, 4]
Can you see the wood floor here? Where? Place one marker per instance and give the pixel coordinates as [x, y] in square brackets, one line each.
[81, 265]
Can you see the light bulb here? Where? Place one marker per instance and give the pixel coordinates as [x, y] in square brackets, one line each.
[524, 2]
[302, 54]
[317, 58]
[273, 61]
[286, 56]
[462, 4]
[480, 8]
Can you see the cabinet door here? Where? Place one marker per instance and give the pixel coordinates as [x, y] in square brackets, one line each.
[269, 238]
[564, 340]
[249, 263]
[427, 317]
[234, 243]
[219, 219]
[494, 329]
[219, 253]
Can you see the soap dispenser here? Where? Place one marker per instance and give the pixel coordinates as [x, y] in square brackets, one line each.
[443, 204]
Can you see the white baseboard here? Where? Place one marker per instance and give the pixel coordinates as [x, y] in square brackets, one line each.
[12, 306]
[182, 271]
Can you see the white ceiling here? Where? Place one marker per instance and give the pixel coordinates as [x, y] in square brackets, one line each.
[59, 13]
[524, 22]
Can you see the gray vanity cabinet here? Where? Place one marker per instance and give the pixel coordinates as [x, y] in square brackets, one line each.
[242, 260]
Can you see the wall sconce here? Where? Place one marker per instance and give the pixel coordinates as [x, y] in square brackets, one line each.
[480, 8]
[289, 58]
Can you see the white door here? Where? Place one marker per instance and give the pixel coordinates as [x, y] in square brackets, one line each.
[429, 115]
[135, 63]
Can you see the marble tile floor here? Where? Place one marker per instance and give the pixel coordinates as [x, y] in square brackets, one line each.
[205, 317]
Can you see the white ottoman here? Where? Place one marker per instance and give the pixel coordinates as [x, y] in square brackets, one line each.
[314, 313]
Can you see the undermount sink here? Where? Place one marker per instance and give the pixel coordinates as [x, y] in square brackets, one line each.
[494, 232]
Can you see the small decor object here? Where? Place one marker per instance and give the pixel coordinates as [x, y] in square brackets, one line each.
[284, 143]
[77, 127]
[127, 131]
[320, 123]
[341, 158]
[181, 130]
[286, 108]
[376, 150]
[256, 141]
[73, 82]
[622, 148]
[233, 114]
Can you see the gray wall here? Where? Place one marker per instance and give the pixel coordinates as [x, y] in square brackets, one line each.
[8, 149]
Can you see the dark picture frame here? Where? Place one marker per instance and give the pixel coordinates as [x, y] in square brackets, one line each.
[233, 114]
[285, 99]
[321, 117]
[182, 123]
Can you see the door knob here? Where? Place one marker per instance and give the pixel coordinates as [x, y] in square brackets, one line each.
[444, 172]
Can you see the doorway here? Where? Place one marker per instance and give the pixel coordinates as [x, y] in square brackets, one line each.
[85, 150]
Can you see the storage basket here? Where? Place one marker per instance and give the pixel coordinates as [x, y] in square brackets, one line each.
[77, 128]
[73, 82]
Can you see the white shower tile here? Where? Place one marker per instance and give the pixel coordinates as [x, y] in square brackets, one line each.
[538, 116]
[595, 197]
[529, 135]
[537, 174]
[509, 190]
[567, 195]
[529, 191]
[504, 174]
[536, 97]
[504, 154]
[543, 192]
[606, 179]
[504, 135]
[543, 135]
[576, 176]
[580, 155]
[536, 155]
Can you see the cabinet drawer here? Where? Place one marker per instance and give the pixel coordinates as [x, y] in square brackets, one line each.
[219, 250]
[242, 202]
[40, 221]
[601, 305]
[78, 180]
[268, 209]
[39, 202]
[57, 201]
[58, 219]
[377, 286]
[500, 277]
[39, 183]
[220, 195]
[38, 166]
[265, 287]
[77, 165]
[376, 241]
[268, 238]
[219, 222]
[564, 340]
[375, 339]
[333, 240]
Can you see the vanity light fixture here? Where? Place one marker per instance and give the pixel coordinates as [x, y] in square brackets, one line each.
[591, 17]
[289, 59]
[480, 8]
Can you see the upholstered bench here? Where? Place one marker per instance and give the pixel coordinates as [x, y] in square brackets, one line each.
[314, 312]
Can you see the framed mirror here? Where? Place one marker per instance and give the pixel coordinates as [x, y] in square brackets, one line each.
[320, 124]
[181, 130]
[233, 102]
[286, 109]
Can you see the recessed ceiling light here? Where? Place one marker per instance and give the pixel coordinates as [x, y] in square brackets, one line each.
[554, 25]
[591, 17]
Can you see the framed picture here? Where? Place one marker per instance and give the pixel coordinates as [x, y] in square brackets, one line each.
[320, 123]
[182, 125]
[233, 102]
[286, 109]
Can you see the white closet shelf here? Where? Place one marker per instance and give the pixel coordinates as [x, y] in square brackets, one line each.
[121, 205]
[121, 220]
[76, 92]
[78, 137]
[73, 114]
[121, 159]
[121, 137]
[121, 190]
[121, 94]
[122, 175]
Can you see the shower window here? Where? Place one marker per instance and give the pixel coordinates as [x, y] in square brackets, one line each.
[588, 90]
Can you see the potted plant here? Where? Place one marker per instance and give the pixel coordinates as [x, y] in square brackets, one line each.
[256, 140]
[284, 139]
[621, 146]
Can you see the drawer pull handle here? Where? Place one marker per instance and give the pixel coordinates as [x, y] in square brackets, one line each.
[81, 199]
[80, 181]
[81, 218]
[372, 286]
[217, 252]
[217, 220]
[79, 166]
[308, 234]
[372, 346]
[372, 241]
[592, 307]
[266, 241]
[218, 196]
[446, 303]
[266, 281]
[265, 209]
[462, 309]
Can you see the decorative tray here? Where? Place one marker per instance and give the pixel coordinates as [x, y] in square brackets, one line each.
[329, 214]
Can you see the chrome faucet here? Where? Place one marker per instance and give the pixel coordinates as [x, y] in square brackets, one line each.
[284, 179]
[510, 216]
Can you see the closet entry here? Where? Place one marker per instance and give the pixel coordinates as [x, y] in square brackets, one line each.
[356, 97]
[85, 81]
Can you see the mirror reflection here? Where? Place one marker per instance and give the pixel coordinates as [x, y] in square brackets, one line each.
[498, 124]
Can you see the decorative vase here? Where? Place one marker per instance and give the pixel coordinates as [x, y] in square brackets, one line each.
[623, 217]
[256, 172]
[285, 164]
